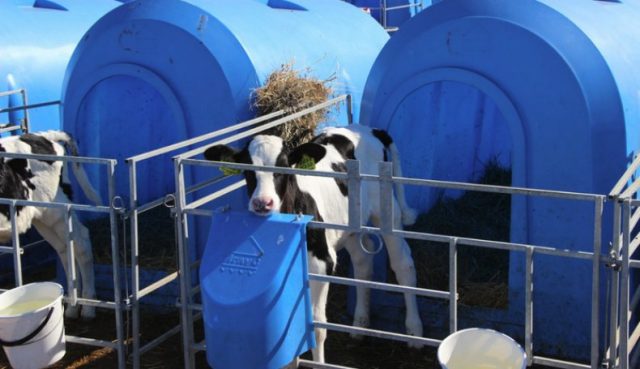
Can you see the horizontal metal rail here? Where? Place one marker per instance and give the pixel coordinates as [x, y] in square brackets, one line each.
[559, 363]
[380, 286]
[44, 204]
[91, 342]
[491, 188]
[65, 158]
[11, 92]
[30, 106]
[92, 302]
[9, 127]
[202, 138]
[264, 127]
[377, 333]
[403, 180]
[316, 365]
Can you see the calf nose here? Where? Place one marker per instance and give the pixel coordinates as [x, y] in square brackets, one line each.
[262, 205]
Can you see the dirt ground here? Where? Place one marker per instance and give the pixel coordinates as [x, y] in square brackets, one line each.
[367, 353]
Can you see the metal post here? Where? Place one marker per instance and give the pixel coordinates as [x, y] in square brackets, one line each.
[135, 268]
[386, 197]
[595, 284]
[25, 121]
[72, 276]
[453, 285]
[383, 13]
[349, 103]
[614, 287]
[528, 325]
[115, 256]
[17, 251]
[624, 286]
[185, 267]
[353, 184]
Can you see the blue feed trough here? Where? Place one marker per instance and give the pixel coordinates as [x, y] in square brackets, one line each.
[255, 290]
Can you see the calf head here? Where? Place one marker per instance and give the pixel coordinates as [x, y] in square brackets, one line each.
[266, 189]
[269, 192]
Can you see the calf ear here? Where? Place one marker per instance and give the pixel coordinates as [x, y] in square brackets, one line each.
[223, 153]
[301, 155]
[220, 153]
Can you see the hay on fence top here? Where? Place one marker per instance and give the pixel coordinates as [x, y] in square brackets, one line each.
[290, 90]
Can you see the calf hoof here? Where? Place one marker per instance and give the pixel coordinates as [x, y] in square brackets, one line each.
[88, 313]
[71, 312]
[360, 322]
[415, 329]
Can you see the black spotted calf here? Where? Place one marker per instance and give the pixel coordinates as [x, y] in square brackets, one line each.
[42, 180]
[327, 200]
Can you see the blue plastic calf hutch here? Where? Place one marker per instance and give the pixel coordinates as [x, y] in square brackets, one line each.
[549, 88]
[154, 72]
[255, 290]
[37, 39]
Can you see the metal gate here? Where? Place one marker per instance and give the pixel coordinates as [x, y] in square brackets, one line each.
[619, 265]
[621, 333]
[624, 261]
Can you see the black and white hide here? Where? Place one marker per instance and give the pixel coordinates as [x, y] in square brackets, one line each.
[38, 180]
[327, 200]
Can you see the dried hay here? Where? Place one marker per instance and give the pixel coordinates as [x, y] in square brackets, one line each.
[290, 90]
[482, 273]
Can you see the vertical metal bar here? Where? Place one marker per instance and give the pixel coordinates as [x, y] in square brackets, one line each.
[353, 184]
[383, 13]
[453, 285]
[135, 268]
[15, 238]
[595, 283]
[624, 286]
[115, 256]
[25, 122]
[528, 325]
[72, 276]
[185, 267]
[614, 287]
[386, 196]
[349, 103]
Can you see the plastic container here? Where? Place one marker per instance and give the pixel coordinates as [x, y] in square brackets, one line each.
[255, 291]
[478, 348]
[32, 325]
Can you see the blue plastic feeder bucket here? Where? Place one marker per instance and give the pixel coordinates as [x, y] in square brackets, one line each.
[255, 290]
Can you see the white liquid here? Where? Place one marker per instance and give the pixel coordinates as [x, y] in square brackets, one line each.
[469, 363]
[24, 307]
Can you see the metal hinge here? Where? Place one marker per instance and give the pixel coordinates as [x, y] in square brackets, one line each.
[614, 262]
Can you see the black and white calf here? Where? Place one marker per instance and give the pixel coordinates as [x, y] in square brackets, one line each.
[327, 200]
[38, 180]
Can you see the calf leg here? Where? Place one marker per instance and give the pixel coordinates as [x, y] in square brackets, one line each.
[55, 234]
[405, 271]
[362, 269]
[319, 295]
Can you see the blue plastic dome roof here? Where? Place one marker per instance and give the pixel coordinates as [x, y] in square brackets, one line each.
[152, 73]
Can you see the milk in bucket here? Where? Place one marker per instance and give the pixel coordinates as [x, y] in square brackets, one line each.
[32, 326]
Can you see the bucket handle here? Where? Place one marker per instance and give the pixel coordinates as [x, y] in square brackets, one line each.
[25, 339]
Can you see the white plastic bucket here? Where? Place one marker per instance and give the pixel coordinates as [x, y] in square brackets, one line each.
[31, 325]
[477, 348]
